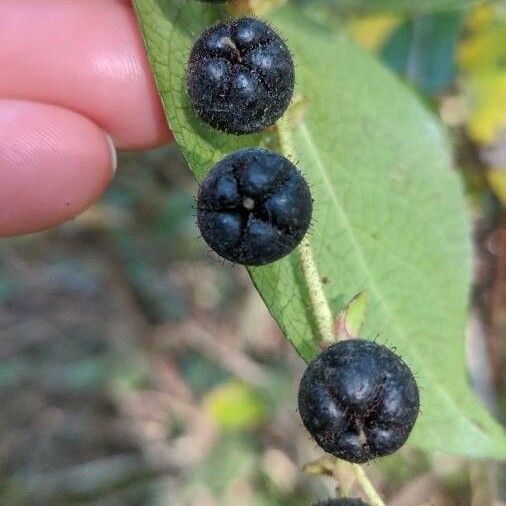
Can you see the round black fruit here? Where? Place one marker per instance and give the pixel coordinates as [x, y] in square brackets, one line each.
[240, 76]
[342, 502]
[358, 400]
[254, 207]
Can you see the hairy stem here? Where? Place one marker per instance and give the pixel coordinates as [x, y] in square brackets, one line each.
[319, 303]
[372, 495]
[285, 138]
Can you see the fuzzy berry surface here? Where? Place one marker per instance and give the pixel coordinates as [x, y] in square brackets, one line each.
[240, 76]
[254, 207]
[342, 502]
[358, 400]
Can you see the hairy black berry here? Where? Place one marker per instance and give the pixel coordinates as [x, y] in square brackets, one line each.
[254, 207]
[342, 502]
[240, 76]
[358, 400]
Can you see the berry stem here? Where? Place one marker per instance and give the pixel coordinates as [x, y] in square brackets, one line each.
[285, 137]
[321, 309]
[372, 495]
[319, 303]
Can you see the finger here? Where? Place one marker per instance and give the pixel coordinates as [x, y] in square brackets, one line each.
[84, 55]
[53, 164]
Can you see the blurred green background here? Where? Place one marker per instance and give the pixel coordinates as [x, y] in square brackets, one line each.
[138, 369]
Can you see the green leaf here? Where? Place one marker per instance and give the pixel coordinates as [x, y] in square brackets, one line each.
[389, 212]
[423, 50]
[354, 314]
[408, 6]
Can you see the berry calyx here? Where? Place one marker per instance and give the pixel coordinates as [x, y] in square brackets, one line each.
[240, 76]
[358, 400]
[254, 207]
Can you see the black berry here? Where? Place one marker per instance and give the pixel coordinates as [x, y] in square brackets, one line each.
[254, 207]
[358, 400]
[240, 76]
[342, 502]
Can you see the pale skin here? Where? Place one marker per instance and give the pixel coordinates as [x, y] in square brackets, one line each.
[75, 85]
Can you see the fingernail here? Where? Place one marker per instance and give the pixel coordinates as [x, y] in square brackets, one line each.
[114, 154]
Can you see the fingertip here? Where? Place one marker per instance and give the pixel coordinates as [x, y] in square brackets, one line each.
[53, 164]
[94, 63]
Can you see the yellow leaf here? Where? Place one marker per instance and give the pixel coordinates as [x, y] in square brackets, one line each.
[480, 17]
[485, 50]
[488, 104]
[233, 405]
[497, 180]
[481, 57]
[371, 32]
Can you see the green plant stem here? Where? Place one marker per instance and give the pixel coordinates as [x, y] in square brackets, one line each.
[321, 309]
[372, 495]
[319, 303]
[285, 138]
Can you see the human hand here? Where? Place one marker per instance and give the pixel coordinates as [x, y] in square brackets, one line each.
[74, 85]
